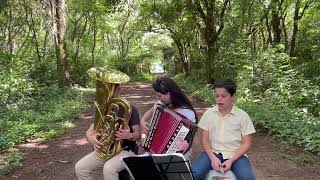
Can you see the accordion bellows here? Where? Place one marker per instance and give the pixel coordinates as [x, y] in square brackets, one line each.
[166, 127]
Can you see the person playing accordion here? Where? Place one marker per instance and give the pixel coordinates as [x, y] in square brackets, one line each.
[171, 98]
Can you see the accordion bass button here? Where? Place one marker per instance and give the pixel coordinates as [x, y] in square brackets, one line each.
[143, 138]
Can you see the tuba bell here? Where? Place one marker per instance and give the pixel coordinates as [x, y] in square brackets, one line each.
[112, 113]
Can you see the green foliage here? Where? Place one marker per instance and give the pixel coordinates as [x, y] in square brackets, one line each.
[310, 70]
[126, 64]
[307, 52]
[15, 86]
[3, 5]
[10, 160]
[273, 79]
[232, 60]
[44, 115]
[284, 122]
[142, 77]
[305, 158]
[198, 88]
[44, 72]
[131, 35]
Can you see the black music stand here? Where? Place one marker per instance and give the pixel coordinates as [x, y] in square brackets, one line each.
[158, 167]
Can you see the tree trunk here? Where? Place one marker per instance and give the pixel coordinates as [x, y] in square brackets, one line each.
[253, 41]
[296, 20]
[263, 38]
[10, 29]
[269, 39]
[35, 39]
[31, 26]
[285, 34]
[78, 39]
[61, 50]
[211, 59]
[184, 59]
[276, 29]
[182, 48]
[187, 55]
[94, 40]
[210, 28]
[295, 27]
[45, 41]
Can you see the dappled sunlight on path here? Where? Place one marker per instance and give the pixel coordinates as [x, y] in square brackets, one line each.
[87, 116]
[34, 145]
[72, 142]
[55, 158]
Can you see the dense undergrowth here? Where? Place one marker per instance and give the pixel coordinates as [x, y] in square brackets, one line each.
[287, 123]
[41, 114]
[48, 112]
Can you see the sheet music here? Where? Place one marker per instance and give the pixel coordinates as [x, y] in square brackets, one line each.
[158, 167]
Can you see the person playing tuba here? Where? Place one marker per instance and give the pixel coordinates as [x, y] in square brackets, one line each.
[115, 130]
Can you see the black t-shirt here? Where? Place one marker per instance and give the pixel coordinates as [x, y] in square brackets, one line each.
[134, 120]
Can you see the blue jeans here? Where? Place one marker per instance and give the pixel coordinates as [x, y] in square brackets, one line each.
[241, 167]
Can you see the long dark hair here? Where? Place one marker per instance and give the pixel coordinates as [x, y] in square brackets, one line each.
[165, 85]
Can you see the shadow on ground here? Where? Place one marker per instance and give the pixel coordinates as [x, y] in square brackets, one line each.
[55, 159]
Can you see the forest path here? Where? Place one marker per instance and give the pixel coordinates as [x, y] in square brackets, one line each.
[55, 158]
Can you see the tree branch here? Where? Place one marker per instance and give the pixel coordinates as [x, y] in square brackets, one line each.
[222, 14]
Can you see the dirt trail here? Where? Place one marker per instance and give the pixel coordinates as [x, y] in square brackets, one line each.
[55, 159]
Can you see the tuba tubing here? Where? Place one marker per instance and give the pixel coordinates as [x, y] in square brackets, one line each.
[112, 113]
[109, 125]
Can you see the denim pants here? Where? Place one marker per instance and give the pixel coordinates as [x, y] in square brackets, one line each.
[241, 167]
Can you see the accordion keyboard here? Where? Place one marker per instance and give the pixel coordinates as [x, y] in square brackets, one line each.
[166, 128]
[181, 135]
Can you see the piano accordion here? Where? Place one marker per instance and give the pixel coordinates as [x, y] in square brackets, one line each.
[167, 127]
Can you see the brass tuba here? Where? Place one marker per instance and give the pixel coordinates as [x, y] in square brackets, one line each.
[108, 118]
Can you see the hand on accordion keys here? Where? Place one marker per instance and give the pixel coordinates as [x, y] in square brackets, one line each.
[145, 127]
[182, 145]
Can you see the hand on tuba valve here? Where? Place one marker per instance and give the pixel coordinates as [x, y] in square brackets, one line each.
[93, 138]
[123, 134]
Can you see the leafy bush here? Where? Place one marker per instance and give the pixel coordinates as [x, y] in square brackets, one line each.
[291, 124]
[198, 88]
[15, 85]
[44, 115]
[43, 72]
[9, 161]
[273, 79]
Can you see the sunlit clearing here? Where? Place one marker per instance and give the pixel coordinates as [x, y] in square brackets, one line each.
[79, 88]
[87, 116]
[70, 143]
[143, 86]
[68, 124]
[34, 145]
[138, 97]
[81, 142]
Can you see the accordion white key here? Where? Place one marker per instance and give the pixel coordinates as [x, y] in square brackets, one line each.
[167, 127]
